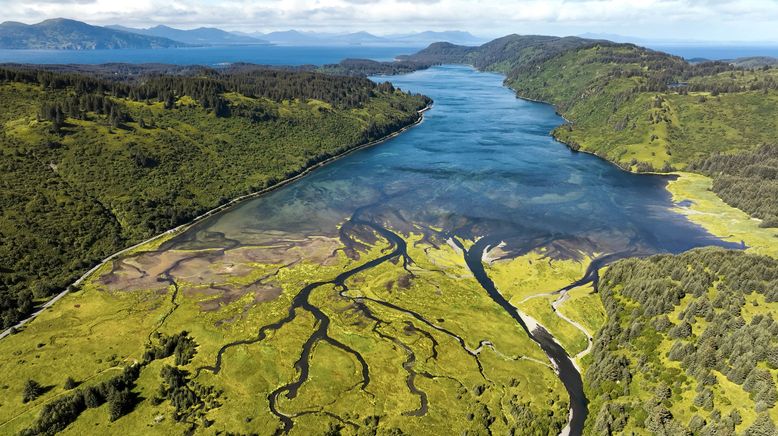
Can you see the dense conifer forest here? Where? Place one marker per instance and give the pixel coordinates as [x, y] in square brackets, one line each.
[748, 181]
[689, 346]
[92, 165]
[367, 67]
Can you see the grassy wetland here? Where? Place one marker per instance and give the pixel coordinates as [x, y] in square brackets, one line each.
[394, 346]
[445, 280]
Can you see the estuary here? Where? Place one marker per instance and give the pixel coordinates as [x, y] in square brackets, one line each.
[419, 285]
[482, 167]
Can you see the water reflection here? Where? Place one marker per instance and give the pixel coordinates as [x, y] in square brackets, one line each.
[481, 164]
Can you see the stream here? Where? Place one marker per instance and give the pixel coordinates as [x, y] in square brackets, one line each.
[481, 167]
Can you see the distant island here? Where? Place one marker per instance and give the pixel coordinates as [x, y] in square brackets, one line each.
[295, 37]
[64, 34]
[199, 36]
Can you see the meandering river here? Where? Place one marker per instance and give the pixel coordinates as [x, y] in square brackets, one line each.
[481, 167]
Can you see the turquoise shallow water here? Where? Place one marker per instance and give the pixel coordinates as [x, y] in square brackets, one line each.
[481, 164]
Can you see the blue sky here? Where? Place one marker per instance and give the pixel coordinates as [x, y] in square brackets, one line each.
[714, 20]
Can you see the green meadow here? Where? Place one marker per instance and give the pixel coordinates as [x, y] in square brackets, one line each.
[440, 354]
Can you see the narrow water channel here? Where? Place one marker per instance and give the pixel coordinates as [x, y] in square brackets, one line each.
[482, 167]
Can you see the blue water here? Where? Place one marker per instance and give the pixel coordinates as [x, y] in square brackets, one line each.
[481, 164]
[298, 55]
[717, 52]
[258, 54]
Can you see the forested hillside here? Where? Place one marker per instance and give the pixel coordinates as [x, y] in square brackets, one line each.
[689, 343]
[64, 34]
[748, 181]
[645, 110]
[367, 67]
[90, 166]
[502, 54]
[634, 106]
[649, 111]
[689, 346]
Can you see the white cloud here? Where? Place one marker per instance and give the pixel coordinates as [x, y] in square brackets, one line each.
[700, 19]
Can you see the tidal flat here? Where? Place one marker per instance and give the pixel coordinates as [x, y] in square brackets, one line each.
[382, 292]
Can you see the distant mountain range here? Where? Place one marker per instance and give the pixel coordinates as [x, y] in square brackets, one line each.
[755, 62]
[199, 36]
[295, 37]
[64, 34]
[452, 36]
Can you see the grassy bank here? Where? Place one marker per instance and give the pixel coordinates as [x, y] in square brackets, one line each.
[474, 368]
[705, 208]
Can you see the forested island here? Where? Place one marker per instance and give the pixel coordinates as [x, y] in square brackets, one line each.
[92, 165]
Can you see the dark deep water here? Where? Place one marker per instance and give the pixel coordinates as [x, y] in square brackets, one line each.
[258, 54]
[481, 166]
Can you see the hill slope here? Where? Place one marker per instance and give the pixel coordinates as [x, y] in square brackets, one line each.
[90, 166]
[689, 346]
[199, 36]
[63, 34]
[642, 109]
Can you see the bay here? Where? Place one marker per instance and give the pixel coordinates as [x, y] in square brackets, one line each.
[482, 163]
[481, 167]
[212, 56]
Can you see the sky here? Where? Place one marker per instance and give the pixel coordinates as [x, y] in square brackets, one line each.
[688, 20]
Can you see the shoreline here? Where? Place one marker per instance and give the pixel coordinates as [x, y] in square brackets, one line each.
[218, 209]
[718, 218]
[672, 174]
[754, 239]
[706, 211]
[673, 179]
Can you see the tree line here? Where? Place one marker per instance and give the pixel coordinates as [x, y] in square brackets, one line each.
[208, 86]
[74, 192]
[696, 302]
[367, 67]
[746, 180]
[117, 391]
